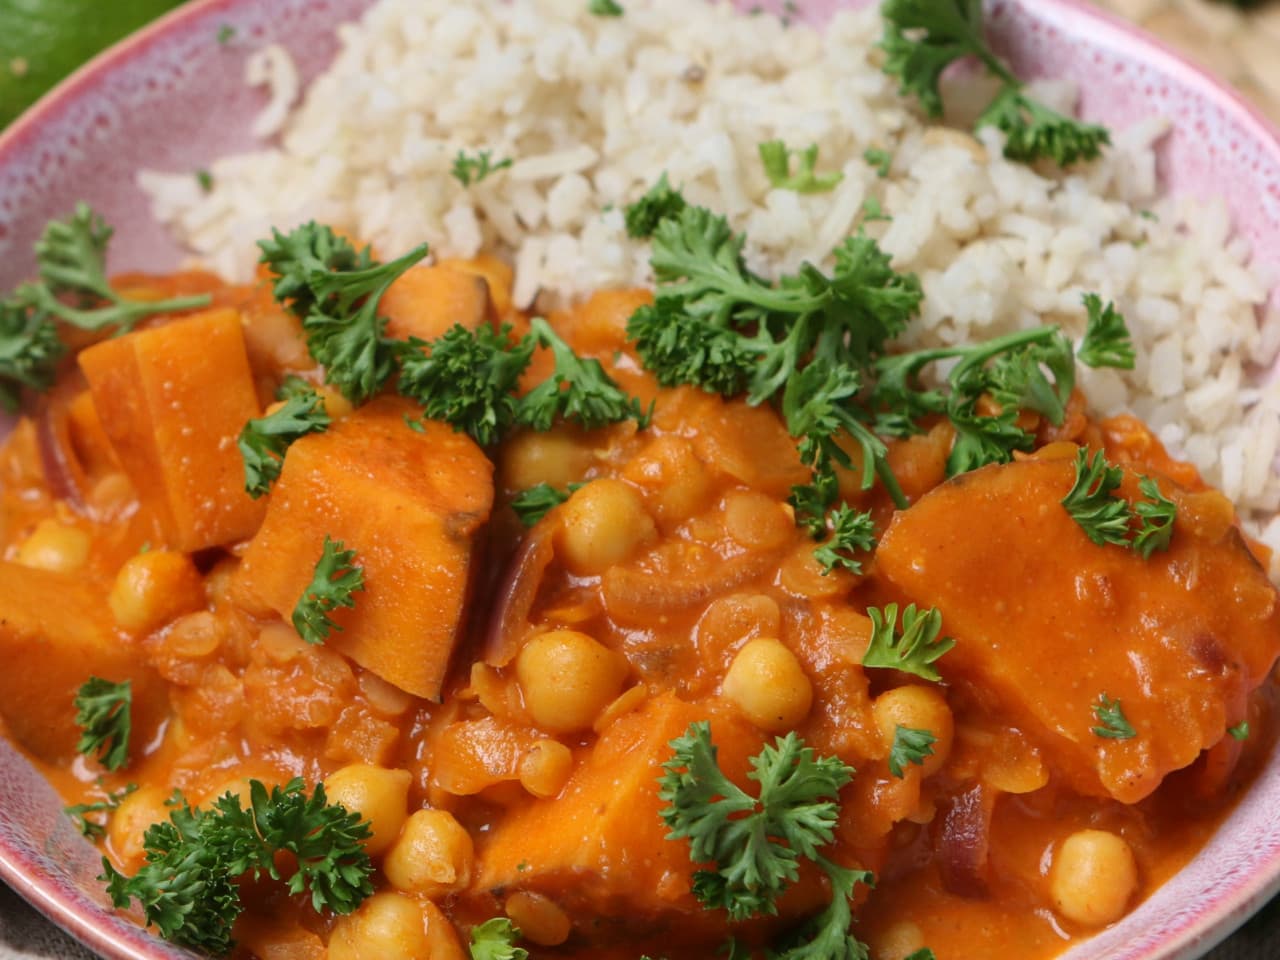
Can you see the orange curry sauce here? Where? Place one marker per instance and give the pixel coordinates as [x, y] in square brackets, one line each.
[132, 552]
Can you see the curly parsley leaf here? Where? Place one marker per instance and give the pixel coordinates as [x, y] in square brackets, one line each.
[472, 168]
[909, 746]
[660, 202]
[90, 818]
[924, 37]
[1240, 731]
[334, 584]
[924, 953]
[880, 160]
[466, 378]
[578, 389]
[753, 845]
[1113, 725]
[1106, 342]
[1033, 130]
[104, 716]
[681, 349]
[187, 887]
[72, 259]
[853, 532]
[776, 159]
[264, 441]
[308, 250]
[495, 940]
[29, 352]
[335, 290]
[1155, 516]
[605, 8]
[1104, 518]
[915, 649]
[533, 504]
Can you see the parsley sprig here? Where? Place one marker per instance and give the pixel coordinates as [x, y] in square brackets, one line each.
[776, 159]
[1145, 527]
[187, 887]
[335, 290]
[924, 37]
[263, 441]
[536, 502]
[90, 818]
[468, 378]
[71, 257]
[853, 532]
[578, 389]
[915, 649]
[495, 939]
[472, 168]
[753, 845]
[104, 714]
[334, 584]
[1111, 719]
[909, 746]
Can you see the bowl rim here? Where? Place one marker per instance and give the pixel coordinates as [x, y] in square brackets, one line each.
[62, 904]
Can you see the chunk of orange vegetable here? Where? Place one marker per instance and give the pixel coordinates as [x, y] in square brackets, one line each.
[495, 272]
[410, 504]
[426, 302]
[172, 400]
[599, 849]
[1046, 622]
[55, 635]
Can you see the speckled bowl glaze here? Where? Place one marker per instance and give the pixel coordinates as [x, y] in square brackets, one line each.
[172, 98]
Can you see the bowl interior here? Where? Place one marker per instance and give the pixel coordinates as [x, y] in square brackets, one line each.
[173, 98]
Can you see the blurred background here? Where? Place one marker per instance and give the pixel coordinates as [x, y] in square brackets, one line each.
[41, 41]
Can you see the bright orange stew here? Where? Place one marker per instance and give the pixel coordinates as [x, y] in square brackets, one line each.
[499, 701]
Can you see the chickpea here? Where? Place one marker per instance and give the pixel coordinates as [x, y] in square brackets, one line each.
[920, 708]
[154, 587]
[442, 938]
[757, 521]
[677, 484]
[540, 919]
[433, 855]
[603, 524]
[130, 820]
[567, 678]
[767, 682]
[1093, 877]
[388, 926]
[557, 457]
[378, 794]
[55, 546]
[545, 769]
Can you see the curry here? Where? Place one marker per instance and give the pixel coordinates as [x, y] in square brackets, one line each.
[984, 722]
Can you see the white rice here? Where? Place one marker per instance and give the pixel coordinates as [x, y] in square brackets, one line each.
[592, 109]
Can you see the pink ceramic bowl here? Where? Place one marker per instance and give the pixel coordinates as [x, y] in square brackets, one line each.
[172, 98]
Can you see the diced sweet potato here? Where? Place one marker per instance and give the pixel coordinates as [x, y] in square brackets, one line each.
[1046, 622]
[172, 400]
[426, 302]
[55, 635]
[410, 504]
[599, 849]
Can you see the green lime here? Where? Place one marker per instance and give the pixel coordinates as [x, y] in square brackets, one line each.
[41, 41]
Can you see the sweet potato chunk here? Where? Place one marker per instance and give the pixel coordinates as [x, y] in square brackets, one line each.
[1046, 622]
[410, 505]
[599, 849]
[172, 401]
[425, 302]
[54, 635]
